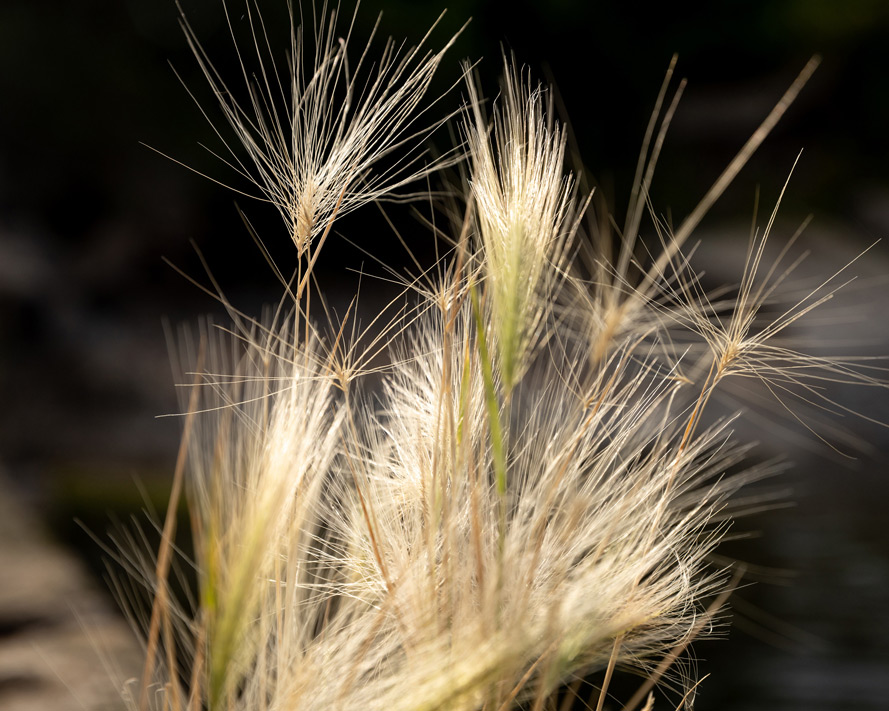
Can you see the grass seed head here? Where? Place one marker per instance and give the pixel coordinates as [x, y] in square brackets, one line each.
[313, 125]
[531, 496]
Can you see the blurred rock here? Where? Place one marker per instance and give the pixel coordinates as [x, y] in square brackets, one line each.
[62, 647]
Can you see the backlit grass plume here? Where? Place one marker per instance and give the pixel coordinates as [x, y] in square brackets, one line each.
[530, 497]
[308, 136]
[524, 204]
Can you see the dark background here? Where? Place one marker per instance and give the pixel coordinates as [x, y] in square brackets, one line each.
[87, 213]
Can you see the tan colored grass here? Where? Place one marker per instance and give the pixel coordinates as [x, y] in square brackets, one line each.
[536, 493]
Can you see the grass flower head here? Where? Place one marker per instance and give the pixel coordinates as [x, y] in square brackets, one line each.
[312, 132]
[523, 503]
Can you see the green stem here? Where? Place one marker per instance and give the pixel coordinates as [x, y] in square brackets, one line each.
[494, 423]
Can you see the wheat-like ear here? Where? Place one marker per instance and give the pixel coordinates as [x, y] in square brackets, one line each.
[312, 126]
[525, 207]
[265, 434]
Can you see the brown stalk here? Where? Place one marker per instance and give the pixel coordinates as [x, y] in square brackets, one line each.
[164, 556]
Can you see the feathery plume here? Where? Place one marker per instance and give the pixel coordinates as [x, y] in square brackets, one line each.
[531, 497]
[524, 203]
[313, 131]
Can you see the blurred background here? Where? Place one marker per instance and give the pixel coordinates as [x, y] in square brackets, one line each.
[88, 213]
